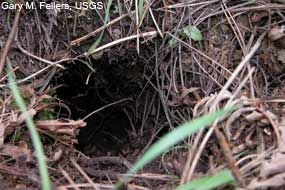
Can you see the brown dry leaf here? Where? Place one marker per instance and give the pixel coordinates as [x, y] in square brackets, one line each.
[279, 1]
[269, 57]
[61, 123]
[176, 164]
[275, 33]
[257, 16]
[275, 166]
[20, 187]
[186, 91]
[67, 127]
[44, 97]
[117, 33]
[2, 132]
[23, 144]
[21, 118]
[243, 24]
[275, 181]
[67, 131]
[238, 149]
[282, 136]
[16, 152]
[253, 116]
[57, 155]
[27, 91]
[281, 56]
[98, 55]
[182, 98]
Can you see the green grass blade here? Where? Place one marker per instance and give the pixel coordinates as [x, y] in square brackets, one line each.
[209, 182]
[95, 44]
[45, 180]
[172, 138]
[140, 8]
[106, 19]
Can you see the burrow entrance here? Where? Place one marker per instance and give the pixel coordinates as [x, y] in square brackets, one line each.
[89, 85]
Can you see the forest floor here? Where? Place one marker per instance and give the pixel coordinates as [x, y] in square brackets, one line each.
[103, 85]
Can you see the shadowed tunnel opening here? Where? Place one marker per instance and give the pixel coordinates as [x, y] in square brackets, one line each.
[110, 85]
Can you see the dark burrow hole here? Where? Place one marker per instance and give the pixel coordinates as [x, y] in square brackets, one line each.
[88, 85]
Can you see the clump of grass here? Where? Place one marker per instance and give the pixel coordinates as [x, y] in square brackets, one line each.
[45, 180]
[174, 137]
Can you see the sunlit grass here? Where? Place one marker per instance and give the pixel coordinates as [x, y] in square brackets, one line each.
[140, 8]
[209, 182]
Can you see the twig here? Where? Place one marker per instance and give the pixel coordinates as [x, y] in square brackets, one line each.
[155, 23]
[18, 172]
[229, 157]
[84, 174]
[79, 40]
[42, 70]
[104, 107]
[107, 159]
[68, 178]
[152, 33]
[11, 37]
[183, 5]
[137, 26]
[36, 57]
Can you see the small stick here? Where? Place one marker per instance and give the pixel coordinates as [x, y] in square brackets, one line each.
[79, 40]
[111, 44]
[84, 174]
[229, 157]
[11, 37]
[104, 107]
[36, 57]
[68, 178]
